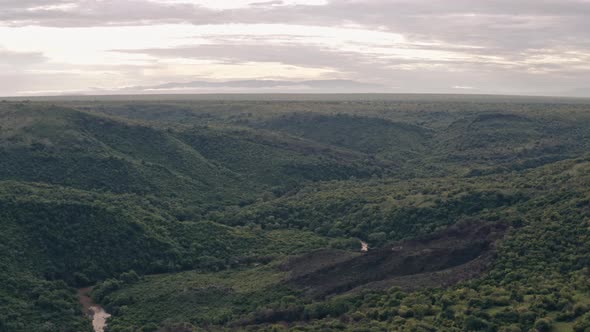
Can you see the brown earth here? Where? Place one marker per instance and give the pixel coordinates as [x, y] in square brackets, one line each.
[460, 252]
[94, 311]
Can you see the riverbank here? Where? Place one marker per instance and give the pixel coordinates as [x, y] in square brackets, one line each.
[94, 311]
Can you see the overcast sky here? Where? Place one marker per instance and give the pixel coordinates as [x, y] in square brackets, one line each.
[537, 47]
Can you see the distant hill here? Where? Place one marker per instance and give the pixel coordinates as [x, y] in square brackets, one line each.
[374, 136]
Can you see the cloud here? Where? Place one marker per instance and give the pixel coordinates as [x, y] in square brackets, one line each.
[376, 63]
[502, 46]
[498, 25]
[267, 3]
[12, 58]
[91, 13]
[502, 27]
[295, 54]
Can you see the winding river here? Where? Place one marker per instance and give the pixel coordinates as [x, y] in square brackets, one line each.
[95, 311]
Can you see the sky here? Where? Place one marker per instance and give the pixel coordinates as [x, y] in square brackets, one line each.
[523, 47]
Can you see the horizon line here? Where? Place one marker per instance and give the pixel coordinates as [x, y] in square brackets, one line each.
[85, 97]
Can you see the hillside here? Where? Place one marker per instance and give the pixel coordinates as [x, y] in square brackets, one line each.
[374, 136]
[84, 151]
[187, 215]
[207, 167]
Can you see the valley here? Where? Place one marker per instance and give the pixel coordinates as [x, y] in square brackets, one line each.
[295, 213]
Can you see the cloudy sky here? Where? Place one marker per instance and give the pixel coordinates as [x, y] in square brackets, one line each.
[535, 47]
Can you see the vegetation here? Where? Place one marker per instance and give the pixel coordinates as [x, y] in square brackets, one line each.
[245, 215]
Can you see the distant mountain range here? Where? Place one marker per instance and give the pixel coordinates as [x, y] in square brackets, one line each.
[257, 85]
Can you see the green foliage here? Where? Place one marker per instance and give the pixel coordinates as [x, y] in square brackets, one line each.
[543, 325]
[374, 136]
[28, 303]
[582, 324]
[186, 213]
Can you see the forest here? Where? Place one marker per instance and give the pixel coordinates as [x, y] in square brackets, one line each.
[250, 213]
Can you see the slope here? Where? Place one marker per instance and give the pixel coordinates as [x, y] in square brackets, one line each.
[85, 151]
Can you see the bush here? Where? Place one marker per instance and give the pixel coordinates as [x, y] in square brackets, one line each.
[130, 277]
[582, 324]
[543, 325]
[476, 324]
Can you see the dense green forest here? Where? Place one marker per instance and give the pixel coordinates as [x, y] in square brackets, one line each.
[222, 214]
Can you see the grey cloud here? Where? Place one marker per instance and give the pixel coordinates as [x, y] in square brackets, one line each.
[12, 58]
[397, 75]
[500, 25]
[89, 13]
[369, 12]
[360, 66]
[266, 3]
[15, 5]
[295, 54]
[366, 64]
[513, 32]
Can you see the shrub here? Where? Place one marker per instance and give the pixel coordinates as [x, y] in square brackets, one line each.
[543, 325]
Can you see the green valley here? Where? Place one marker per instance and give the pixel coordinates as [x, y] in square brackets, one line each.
[233, 213]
